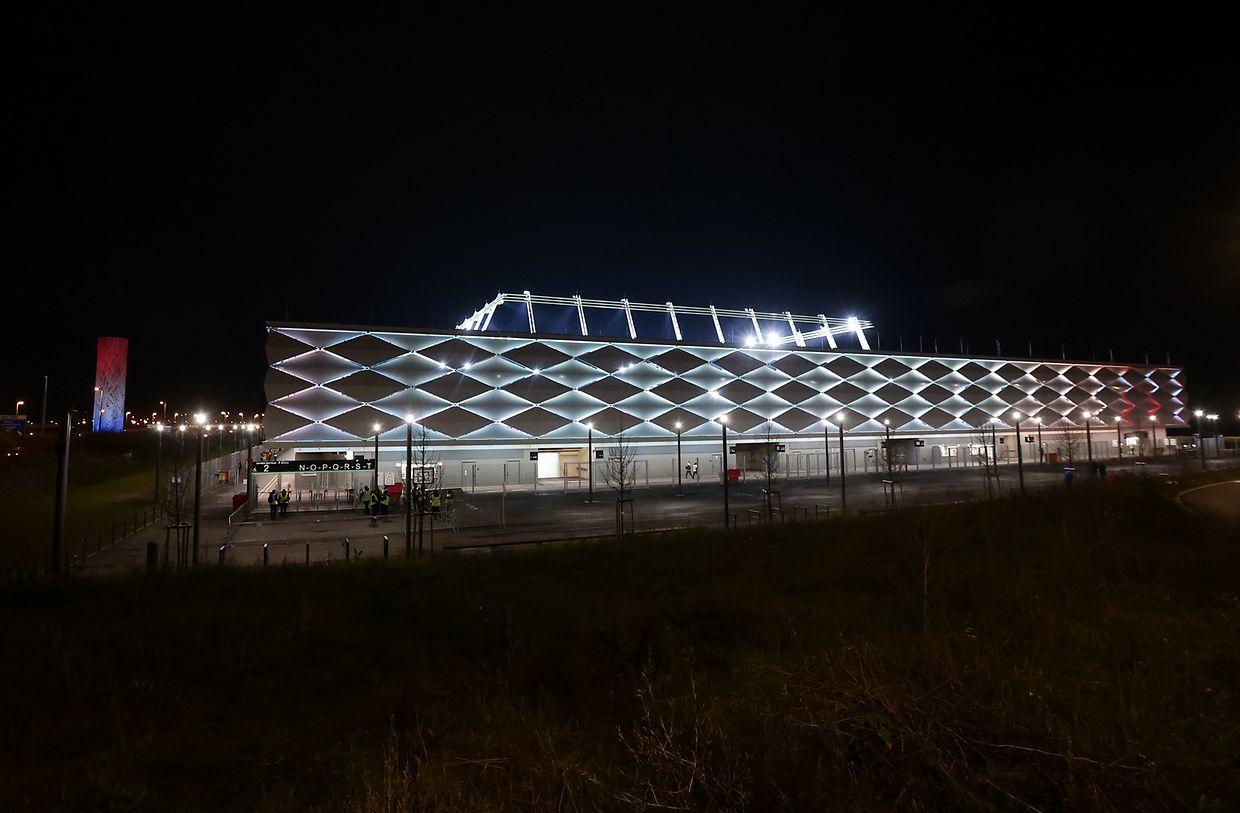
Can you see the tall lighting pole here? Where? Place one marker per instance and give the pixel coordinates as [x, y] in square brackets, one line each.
[159, 453]
[680, 485]
[1213, 419]
[1041, 454]
[375, 487]
[201, 420]
[1089, 443]
[1153, 435]
[408, 495]
[723, 425]
[589, 461]
[1020, 455]
[1119, 436]
[62, 496]
[1201, 435]
[826, 450]
[843, 482]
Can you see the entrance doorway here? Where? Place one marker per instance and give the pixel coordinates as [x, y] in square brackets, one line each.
[548, 464]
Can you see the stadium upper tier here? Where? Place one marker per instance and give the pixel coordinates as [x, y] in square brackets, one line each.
[605, 318]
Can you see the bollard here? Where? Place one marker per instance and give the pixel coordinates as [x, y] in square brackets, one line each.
[307, 554]
[152, 557]
[385, 548]
[222, 547]
[346, 549]
[264, 554]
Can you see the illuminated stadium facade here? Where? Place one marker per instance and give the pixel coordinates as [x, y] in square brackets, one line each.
[519, 390]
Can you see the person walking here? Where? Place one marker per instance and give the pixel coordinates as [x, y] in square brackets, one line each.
[448, 497]
[695, 471]
[385, 501]
[284, 498]
[436, 501]
[363, 499]
[273, 502]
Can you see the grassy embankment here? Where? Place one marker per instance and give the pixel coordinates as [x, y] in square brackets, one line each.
[111, 478]
[1072, 651]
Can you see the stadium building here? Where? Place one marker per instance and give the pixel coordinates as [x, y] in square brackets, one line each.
[541, 391]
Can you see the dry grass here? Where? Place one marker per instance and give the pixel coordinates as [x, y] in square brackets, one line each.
[1067, 652]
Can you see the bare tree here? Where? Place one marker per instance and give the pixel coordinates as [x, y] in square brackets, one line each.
[620, 475]
[771, 464]
[982, 451]
[1068, 445]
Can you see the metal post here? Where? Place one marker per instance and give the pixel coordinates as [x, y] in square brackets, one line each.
[375, 487]
[197, 499]
[843, 481]
[589, 461]
[1119, 438]
[62, 496]
[826, 450]
[723, 424]
[43, 418]
[159, 453]
[1201, 437]
[265, 554]
[385, 547]
[1089, 445]
[408, 495]
[680, 486]
[1020, 456]
[1041, 455]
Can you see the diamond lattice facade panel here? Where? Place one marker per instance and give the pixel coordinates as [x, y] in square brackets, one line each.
[332, 384]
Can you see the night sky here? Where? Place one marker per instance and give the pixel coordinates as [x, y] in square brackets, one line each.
[180, 179]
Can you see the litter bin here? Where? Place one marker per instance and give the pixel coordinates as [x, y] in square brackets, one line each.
[734, 475]
[1052, 458]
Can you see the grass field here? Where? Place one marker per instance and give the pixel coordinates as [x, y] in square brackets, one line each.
[111, 478]
[1070, 651]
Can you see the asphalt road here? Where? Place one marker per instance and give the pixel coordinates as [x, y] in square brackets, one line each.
[484, 521]
[1219, 503]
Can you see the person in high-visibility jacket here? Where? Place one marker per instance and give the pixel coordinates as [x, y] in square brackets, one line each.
[385, 501]
[284, 498]
[363, 498]
[273, 502]
[436, 500]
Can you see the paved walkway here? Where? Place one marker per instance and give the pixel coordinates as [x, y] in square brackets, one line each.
[1219, 503]
[486, 519]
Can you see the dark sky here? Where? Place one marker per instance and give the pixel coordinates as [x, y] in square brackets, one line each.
[180, 179]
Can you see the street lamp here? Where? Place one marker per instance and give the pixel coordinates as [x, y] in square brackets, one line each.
[1089, 442]
[723, 425]
[1213, 419]
[680, 485]
[839, 416]
[1201, 436]
[826, 450]
[159, 453]
[18, 410]
[164, 406]
[1119, 436]
[589, 461]
[1020, 455]
[408, 494]
[1041, 453]
[200, 419]
[378, 429]
[1153, 435]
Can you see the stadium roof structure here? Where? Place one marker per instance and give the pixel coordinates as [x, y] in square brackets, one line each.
[609, 318]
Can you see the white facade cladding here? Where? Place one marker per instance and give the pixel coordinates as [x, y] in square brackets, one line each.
[328, 386]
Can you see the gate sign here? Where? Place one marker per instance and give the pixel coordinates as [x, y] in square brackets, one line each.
[312, 466]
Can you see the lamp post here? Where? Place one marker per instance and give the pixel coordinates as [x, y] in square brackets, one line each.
[159, 453]
[1153, 435]
[680, 469]
[62, 496]
[891, 471]
[589, 461]
[201, 420]
[1201, 435]
[98, 419]
[826, 450]
[164, 406]
[1020, 455]
[408, 495]
[1089, 442]
[1213, 419]
[1119, 437]
[375, 487]
[723, 425]
[843, 482]
[18, 409]
[1041, 453]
